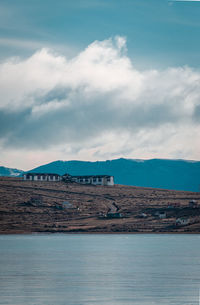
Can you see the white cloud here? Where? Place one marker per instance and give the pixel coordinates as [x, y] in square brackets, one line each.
[98, 104]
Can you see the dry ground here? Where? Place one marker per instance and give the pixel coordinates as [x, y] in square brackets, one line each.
[20, 214]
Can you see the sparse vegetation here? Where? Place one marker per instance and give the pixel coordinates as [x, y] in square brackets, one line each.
[29, 206]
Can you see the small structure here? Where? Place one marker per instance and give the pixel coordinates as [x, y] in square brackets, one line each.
[193, 204]
[42, 177]
[114, 215]
[143, 215]
[161, 214]
[94, 179]
[67, 205]
[182, 221]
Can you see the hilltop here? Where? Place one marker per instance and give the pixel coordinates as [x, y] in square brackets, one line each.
[28, 206]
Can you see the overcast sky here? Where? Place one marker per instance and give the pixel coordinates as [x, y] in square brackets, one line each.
[97, 80]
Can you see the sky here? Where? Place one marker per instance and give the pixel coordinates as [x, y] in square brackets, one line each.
[98, 80]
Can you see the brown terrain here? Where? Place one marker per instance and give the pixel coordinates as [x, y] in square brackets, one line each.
[28, 206]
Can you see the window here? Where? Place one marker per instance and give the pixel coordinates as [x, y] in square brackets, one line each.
[100, 179]
[108, 178]
[94, 179]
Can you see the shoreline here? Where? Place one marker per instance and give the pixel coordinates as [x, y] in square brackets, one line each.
[99, 233]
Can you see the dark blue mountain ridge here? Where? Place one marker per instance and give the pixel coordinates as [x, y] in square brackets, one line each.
[155, 173]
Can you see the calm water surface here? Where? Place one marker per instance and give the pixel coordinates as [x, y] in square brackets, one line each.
[99, 269]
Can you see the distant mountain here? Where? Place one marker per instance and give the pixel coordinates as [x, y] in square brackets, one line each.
[10, 172]
[155, 173]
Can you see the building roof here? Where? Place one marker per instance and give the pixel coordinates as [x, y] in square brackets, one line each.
[42, 174]
[92, 176]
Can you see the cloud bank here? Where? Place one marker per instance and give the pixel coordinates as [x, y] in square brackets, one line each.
[97, 105]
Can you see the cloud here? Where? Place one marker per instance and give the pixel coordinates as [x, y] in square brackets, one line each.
[96, 98]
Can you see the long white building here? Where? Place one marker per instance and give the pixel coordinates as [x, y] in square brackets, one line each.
[89, 179]
[42, 177]
[94, 179]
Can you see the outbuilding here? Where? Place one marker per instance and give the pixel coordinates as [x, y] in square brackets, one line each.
[181, 221]
[114, 215]
[193, 204]
[161, 214]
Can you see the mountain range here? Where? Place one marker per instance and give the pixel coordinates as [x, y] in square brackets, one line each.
[155, 173]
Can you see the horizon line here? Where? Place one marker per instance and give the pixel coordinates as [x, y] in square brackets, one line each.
[134, 159]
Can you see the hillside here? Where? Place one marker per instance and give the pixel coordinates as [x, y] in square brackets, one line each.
[10, 172]
[28, 206]
[156, 173]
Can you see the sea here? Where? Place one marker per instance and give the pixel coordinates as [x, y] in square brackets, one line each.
[103, 269]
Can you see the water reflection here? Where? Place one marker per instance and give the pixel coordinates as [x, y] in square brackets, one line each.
[99, 269]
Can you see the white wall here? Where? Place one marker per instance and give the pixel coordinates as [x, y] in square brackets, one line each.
[95, 181]
[37, 178]
[111, 182]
